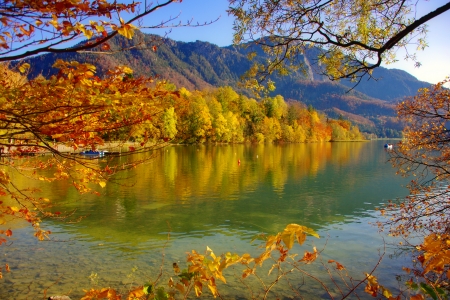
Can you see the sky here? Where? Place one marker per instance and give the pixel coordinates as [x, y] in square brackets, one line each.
[435, 59]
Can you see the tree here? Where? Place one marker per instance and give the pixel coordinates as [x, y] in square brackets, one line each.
[74, 108]
[355, 36]
[35, 27]
[69, 110]
[424, 153]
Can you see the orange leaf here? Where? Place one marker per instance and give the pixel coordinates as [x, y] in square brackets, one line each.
[338, 265]
[106, 47]
[180, 287]
[8, 232]
[136, 293]
[247, 273]
[372, 290]
[309, 257]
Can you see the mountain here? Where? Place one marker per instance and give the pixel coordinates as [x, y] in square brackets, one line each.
[200, 65]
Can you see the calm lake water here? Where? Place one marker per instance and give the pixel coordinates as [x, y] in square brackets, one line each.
[203, 197]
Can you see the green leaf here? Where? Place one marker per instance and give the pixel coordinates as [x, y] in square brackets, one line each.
[161, 294]
[186, 275]
[412, 285]
[148, 289]
[428, 290]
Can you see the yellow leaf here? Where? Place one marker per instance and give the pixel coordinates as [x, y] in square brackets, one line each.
[57, 136]
[288, 238]
[54, 23]
[127, 70]
[4, 177]
[88, 34]
[198, 288]
[212, 286]
[301, 238]
[127, 30]
[24, 67]
[99, 28]
[102, 184]
[386, 293]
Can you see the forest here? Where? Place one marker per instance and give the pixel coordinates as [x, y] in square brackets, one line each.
[222, 115]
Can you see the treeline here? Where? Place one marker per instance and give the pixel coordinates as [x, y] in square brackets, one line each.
[223, 116]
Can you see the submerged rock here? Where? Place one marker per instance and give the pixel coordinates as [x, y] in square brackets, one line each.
[59, 298]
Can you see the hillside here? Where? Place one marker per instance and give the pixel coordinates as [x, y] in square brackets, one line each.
[200, 65]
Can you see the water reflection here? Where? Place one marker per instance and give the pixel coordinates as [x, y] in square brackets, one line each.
[185, 187]
[201, 194]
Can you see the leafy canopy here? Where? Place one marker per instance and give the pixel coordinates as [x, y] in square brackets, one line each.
[354, 36]
[424, 154]
[38, 26]
[58, 115]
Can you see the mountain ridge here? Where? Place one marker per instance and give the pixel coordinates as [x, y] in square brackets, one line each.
[202, 65]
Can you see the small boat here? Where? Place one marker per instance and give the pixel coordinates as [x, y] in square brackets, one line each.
[388, 146]
[93, 154]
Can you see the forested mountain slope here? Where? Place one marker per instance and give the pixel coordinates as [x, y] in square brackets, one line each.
[200, 65]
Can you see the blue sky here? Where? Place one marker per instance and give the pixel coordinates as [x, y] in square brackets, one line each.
[435, 59]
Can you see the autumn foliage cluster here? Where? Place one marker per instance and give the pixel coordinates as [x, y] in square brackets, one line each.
[71, 109]
[224, 116]
[204, 271]
[424, 155]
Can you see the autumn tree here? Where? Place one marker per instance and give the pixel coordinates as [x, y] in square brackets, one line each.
[35, 27]
[354, 37]
[58, 115]
[75, 108]
[424, 154]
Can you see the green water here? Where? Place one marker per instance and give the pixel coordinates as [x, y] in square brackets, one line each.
[202, 196]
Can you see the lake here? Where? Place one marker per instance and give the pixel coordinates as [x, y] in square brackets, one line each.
[201, 196]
